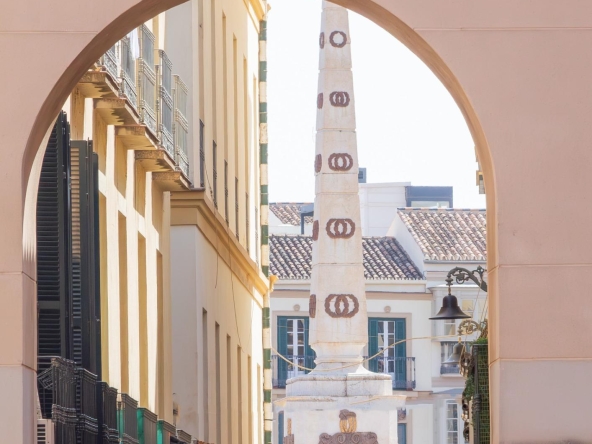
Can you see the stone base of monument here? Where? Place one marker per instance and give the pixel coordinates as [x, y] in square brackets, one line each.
[344, 409]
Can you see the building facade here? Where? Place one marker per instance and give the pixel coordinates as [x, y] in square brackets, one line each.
[218, 280]
[144, 234]
[405, 274]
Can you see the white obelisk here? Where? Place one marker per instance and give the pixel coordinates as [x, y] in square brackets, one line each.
[338, 320]
[339, 402]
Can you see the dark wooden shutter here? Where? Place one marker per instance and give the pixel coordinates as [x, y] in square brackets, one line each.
[53, 254]
[84, 255]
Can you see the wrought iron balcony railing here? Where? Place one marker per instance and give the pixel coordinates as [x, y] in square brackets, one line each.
[127, 419]
[108, 414]
[402, 370]
[110, 61]
[181, 125]
[147, 80]
[164, 74]
[147, 422]
[282, 370]
[450, 370]
[128, 86]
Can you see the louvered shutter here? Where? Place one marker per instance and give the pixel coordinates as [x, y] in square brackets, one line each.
[402, 433]
[84, 207]
[373, 343]
[52, 254]
[400, 351]
[308, 351]
[282, 332]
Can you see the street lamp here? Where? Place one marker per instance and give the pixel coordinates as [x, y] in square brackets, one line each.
[450, 308]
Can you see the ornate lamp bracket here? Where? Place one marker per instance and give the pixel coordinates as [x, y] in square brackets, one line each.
[462, 275]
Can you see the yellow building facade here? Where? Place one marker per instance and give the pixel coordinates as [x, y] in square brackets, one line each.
[171, 115]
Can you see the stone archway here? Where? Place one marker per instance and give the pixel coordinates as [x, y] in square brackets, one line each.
[517, 74]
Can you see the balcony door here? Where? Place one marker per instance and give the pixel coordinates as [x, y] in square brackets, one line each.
[383, 333]
[293, 345]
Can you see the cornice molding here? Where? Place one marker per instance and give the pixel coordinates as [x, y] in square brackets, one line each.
[193, 208]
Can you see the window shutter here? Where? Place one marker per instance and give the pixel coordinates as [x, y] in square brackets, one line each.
[84, 270]
[402, 433]
[309, 352]
[400, 351]
[373, 343]
[52, 254]
[282, 333]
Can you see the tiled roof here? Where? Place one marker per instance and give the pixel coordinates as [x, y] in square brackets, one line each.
[289, 213]
[384, 258]
[448, 234]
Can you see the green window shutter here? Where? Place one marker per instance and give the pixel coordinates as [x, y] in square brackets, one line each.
[400, 351]
[282, 336]
[310, 354]
[372, 343]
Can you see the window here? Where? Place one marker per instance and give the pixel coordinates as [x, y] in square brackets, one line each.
[248, 223]
[226, 191]
[215, 174]
[449, 326]
[445, 352]
[451, 422]
[202, 155]
[383, 333]
[293, 345]
[257, 235]
[236, 229]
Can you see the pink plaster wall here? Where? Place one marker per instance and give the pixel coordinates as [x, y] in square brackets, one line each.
[521, 73]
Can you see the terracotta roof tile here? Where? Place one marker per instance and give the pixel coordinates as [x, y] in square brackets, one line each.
[448, 234]
[289, 213]
[384, 258]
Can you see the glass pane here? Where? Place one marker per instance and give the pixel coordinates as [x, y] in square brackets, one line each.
[391, 327]
[380, 340]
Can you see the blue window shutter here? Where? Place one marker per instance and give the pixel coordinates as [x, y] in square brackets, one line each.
[280, 437]
[402, 433]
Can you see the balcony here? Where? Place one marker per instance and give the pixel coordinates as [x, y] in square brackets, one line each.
[146, 75]
[402, 370]
[134, 89]
[164, 74]
[450, 370]
[282, 370]
[181, 125]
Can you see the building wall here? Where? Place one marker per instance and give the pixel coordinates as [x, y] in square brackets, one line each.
[214, 46]
[217, 351]
[217, 285]
[134, 221]
[378, 205]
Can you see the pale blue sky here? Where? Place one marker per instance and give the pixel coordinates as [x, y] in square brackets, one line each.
[409, 127]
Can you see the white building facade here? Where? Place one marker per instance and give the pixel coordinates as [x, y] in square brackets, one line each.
[405, 273]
